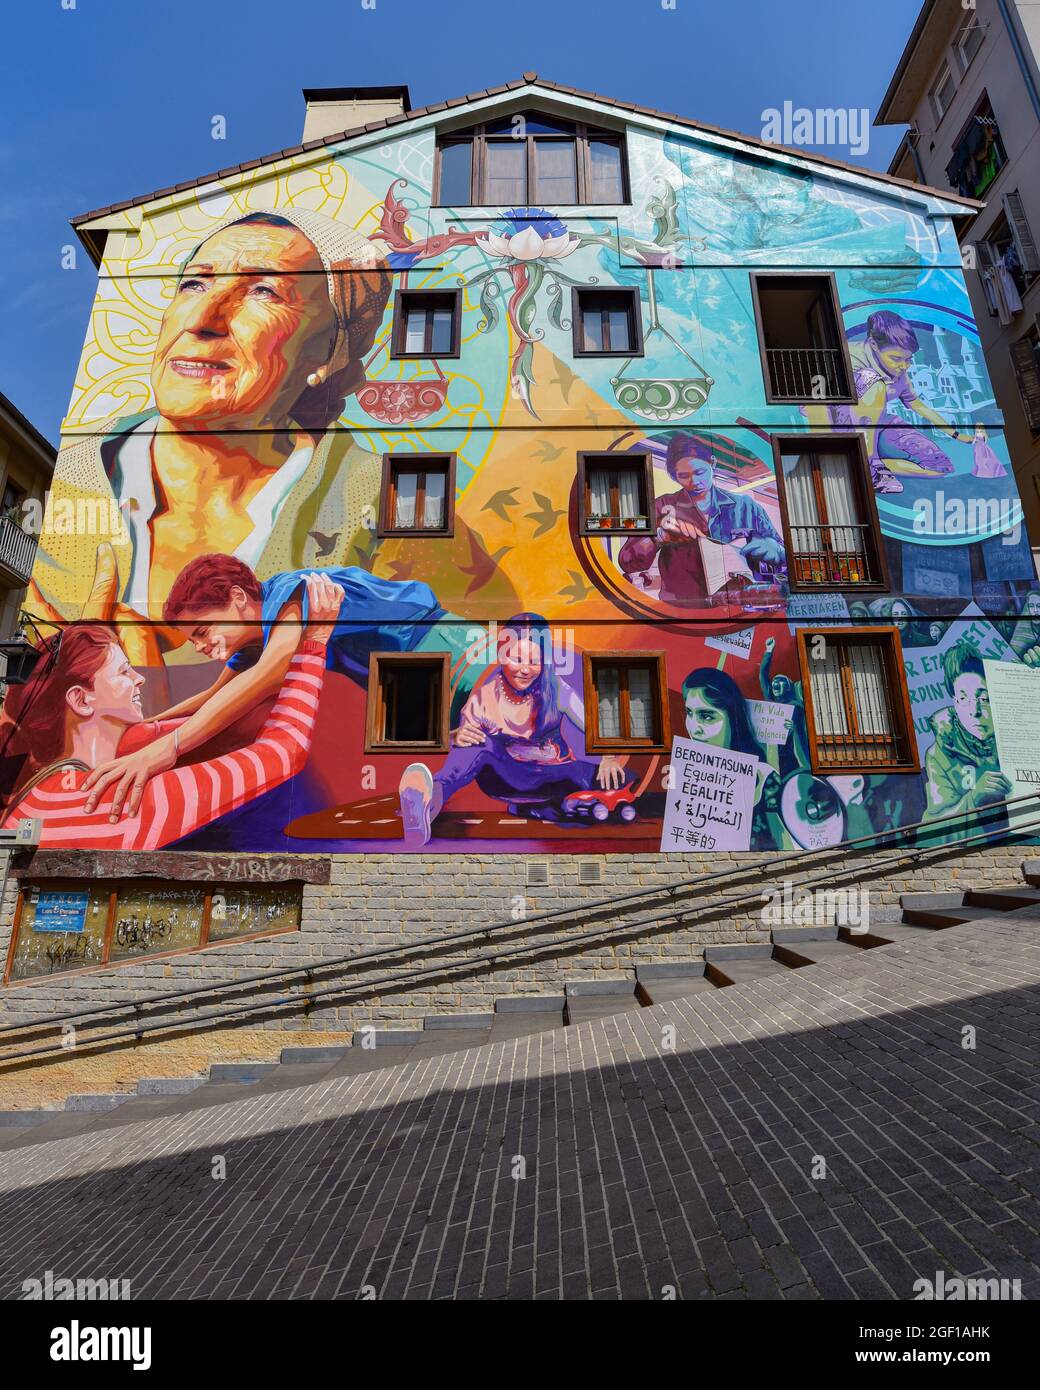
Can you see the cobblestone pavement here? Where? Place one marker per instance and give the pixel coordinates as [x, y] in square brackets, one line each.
[837, 1132]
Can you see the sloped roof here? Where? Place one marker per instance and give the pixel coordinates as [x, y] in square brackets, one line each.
[530, 80]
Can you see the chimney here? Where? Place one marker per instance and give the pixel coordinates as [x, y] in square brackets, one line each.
[331, 110]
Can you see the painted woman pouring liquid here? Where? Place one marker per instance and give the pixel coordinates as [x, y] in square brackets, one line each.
[516, 739]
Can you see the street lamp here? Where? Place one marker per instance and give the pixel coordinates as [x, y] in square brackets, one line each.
[19, 652]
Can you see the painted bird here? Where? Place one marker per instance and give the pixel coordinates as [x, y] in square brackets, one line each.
[500, 502]
[546, 515]
[545, 453]
[325, 544]
[577, 589]
[564, 379]
[482, 566]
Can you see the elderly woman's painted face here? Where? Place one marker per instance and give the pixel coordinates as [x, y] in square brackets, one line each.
[971, 704]
[114, 694]
[250, 319]
[705, 721]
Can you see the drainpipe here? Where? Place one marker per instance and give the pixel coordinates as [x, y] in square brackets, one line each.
[1023, 63]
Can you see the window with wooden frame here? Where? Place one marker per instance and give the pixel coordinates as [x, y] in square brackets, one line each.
[831, 529]
[857, 704]
[408, 702]
[427, 323]
[606, 323]
[626, 702]
[418, 495]
[1025, 358]
[942, 93]
[530, 159]
[805, 357]
[615, 494]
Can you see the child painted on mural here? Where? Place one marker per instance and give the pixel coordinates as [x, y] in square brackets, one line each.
[880, 364]
[253, 625]
[520, 739]
[962, 773]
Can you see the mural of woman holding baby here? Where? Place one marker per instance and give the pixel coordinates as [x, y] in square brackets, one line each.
[520, 738]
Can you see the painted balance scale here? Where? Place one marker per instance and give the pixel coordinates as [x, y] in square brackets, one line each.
[663, 399]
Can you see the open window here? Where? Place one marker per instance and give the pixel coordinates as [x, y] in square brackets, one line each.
[1025, 358]
[530, 159]
[857, 704]
[804, 354]
[615, 494]
[625, 702]
[1008, 260]
[606, 323]
[418, 495]
[978, 153]
[831, 528]
[408, 702]
[427, 323]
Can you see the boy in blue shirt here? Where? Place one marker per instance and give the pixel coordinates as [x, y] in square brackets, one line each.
[253, 626]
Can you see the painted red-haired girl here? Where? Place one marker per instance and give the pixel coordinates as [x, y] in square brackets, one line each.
[83, 705]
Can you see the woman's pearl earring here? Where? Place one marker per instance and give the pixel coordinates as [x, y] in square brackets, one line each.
[314, 379]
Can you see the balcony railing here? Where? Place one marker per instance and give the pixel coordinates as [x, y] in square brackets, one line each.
[807, 374]
[827, 555]
[17, 549]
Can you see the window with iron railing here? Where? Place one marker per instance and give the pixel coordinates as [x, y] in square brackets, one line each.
[832, 526]
[857, 701]
[803, 349]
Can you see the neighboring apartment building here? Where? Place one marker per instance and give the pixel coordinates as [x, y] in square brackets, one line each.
[659, 467]
[968, 86]
[26, 465]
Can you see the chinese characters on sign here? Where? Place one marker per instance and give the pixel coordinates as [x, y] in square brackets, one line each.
[710, 798]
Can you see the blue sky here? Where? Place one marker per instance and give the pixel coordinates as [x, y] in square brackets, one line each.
[113, 98]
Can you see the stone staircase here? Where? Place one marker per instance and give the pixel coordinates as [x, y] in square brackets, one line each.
[522, 1015]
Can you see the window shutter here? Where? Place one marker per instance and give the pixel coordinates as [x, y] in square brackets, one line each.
[1020, 230]
[1027, 370]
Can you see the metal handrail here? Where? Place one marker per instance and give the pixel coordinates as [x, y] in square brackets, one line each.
[363, 959]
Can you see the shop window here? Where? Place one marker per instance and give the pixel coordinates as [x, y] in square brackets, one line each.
[857, 704]
[418, 495]
[615, 494]
[625, 702]
[427, 323]
[803, 349]
[408, 702]
[831, 526]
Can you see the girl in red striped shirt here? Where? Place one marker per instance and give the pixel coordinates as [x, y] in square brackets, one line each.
[83, 706]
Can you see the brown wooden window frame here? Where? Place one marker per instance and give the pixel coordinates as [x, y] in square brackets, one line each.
[375, 721]
[414, 463]
[827, 277]
[854, 446]
[579, 293]
[582, 134]
[591, 458]
[899, 709]
[594, 743]
[106, 962]
[399, 330]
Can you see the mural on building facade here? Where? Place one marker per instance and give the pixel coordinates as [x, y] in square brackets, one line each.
[236, 396]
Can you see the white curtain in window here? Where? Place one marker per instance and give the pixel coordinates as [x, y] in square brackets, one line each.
[829, 712]
[640, 710]
[433, 507]
[599, 492]
[870, 690]
[802, 510]
[608, 698]
[628, 493]
[839, 497]
[404, 505]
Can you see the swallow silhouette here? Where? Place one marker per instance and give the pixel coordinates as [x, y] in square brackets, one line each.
[366, 554]
[546, 453]
[482, 566]
[577, 589]
[500, 503]
[564, 379]
[545, 516]
[326, 544]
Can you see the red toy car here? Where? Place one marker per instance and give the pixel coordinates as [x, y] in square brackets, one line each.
[600, 805]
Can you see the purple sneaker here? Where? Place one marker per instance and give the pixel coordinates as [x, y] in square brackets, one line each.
[883, 479]
[416, 793]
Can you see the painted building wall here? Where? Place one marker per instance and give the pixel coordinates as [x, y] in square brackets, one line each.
[155, 472]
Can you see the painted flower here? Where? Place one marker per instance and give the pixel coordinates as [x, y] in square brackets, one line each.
[530, 234]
